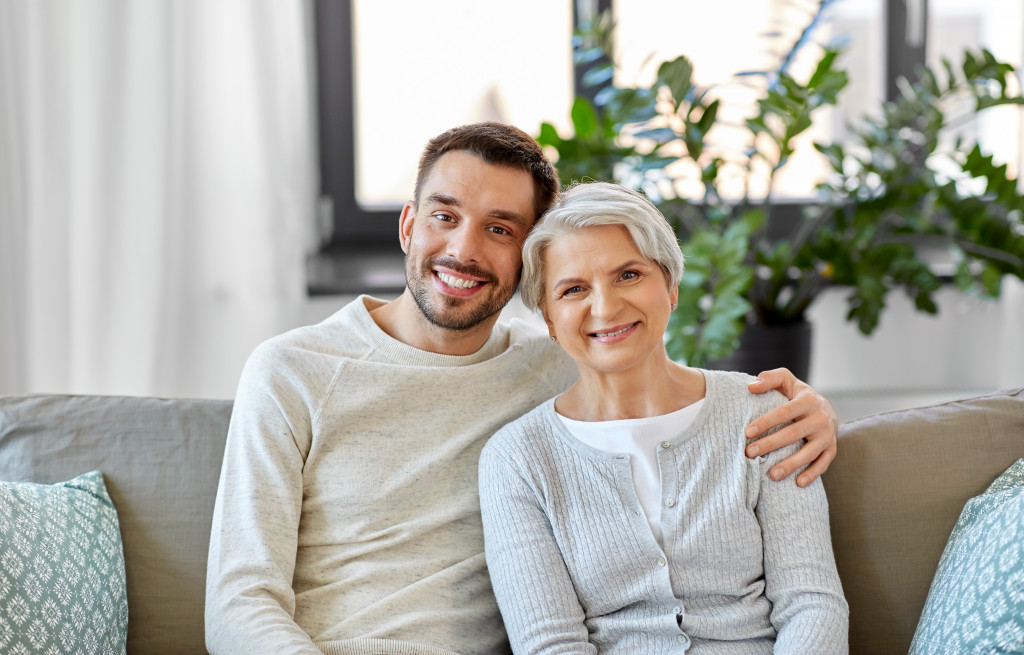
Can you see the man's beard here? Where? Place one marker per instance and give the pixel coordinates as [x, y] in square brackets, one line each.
[448, 316]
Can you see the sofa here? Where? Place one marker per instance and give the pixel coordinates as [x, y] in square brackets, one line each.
[895, 492]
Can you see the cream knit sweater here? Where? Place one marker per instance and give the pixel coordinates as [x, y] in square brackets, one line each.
[347, 518]
[747, 565]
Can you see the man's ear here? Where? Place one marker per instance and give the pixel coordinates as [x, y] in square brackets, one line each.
[405, 222]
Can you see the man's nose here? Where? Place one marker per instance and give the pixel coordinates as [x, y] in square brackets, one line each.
[465, 244]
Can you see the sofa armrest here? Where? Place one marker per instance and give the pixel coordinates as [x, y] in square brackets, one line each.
[895, 492]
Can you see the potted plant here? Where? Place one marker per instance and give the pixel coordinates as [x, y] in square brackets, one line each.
[897, 188]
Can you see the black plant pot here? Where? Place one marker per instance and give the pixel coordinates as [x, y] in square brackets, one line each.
[764, 347]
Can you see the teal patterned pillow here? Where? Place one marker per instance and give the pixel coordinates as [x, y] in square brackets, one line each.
[976, 601]
[62, 585]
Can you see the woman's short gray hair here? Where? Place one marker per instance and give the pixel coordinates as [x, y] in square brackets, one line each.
[600, 203]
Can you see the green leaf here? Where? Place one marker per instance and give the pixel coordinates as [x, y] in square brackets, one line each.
[548, 135]
[588, 55]
[598, 76]
[658, 135]
[584, 118]
[707, 119]
[985, 103]
[991, 280]
[677, 75]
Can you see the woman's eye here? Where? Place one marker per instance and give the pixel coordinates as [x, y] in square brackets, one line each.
[570, 290]
[629, 275]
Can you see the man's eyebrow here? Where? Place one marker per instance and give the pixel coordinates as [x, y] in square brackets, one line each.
[514, 217]
[501, 214]
[443, 199]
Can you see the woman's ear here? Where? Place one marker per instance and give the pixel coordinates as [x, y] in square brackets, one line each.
[543, 308]
[405, 222]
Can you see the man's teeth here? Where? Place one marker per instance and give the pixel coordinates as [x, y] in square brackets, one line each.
[457, 282]
[612, 334]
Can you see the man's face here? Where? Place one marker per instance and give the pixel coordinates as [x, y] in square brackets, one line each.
[463, 240]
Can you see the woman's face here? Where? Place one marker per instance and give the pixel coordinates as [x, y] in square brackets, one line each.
[606, 303]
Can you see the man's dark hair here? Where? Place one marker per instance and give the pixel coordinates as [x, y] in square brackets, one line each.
[501, 145]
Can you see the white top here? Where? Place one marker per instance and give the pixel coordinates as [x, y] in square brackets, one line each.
[638, 438]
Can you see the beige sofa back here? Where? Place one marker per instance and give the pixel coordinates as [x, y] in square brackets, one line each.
[895, 492]
[161, 462]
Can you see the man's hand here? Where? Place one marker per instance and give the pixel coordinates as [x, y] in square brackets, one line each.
[812, 419]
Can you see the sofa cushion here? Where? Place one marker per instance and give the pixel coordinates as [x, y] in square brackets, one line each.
[161, 460]
[976, 601]
[62, 585]
[896, 489]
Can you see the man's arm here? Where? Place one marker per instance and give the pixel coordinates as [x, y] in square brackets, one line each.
[250, 603]
[809, 416]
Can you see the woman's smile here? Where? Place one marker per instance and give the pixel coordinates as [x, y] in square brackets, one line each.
[611, 334]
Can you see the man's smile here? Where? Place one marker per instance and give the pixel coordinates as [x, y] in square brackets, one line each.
[457, 282]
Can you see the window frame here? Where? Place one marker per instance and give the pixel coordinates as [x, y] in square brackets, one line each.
[360, 251]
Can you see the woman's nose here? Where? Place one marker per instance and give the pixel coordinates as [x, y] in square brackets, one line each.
[604, 303]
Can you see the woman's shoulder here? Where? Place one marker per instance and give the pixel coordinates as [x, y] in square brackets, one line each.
[731, 387]
[527, 433]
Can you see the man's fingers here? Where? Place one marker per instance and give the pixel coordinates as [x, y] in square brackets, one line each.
[817, 462]
[807, 415]
[817, 467]
[775, 440]
[802, 406]
[777, 378]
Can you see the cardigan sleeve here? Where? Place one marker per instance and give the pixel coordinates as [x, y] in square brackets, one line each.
[535, 594]
[809, 610]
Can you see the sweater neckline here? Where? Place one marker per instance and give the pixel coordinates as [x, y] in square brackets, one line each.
[399, 352]
[691, 430]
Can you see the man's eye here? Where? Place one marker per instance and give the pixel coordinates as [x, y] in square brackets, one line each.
[443, 217]
[498, 230]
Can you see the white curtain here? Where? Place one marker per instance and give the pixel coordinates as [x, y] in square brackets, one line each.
[157, 186]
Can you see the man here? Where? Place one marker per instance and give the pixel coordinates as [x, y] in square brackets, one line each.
[347, 518]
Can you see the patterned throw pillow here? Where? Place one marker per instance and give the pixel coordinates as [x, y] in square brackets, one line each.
[976, 601]
[62, 584]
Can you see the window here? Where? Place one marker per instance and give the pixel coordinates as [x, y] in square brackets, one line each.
[387, 85]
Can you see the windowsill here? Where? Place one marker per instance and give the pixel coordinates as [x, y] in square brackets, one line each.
[351, 271]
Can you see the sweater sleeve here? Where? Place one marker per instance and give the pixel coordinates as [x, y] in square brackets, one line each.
[809, 611]
[535, 593]
[250, 603]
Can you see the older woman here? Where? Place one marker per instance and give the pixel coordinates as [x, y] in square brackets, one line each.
[623, 516]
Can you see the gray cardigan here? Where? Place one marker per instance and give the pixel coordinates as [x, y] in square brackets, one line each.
[748, 564]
